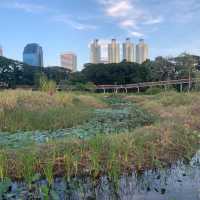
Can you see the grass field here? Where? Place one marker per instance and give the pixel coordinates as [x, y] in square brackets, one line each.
[162, 129]
[26, 110]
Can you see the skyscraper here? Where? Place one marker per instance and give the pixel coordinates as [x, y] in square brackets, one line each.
[95, 52]
[69, 61]
[113, 52]
[128, 51]
[1, 51]
[33, 55]
[142, 52]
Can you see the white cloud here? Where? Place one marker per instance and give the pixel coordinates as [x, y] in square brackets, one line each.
[152, 21]
[54, 15]
[128, 23]
[119, 9]
[73, 23]
[26, 7]
[129, 15]
[136, 34]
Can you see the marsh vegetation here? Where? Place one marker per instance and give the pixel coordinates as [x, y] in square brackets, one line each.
[106, 135]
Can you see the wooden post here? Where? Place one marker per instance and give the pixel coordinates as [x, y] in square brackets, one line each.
[181, 87]
[189, 84]
[126, 90]
[165, 86]
[138, 89]
[104, 90]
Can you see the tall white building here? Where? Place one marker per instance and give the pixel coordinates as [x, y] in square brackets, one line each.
[69, 61]
[128, 51]
[95, 52]
[142, 52]
[1, 51]
[114, 52]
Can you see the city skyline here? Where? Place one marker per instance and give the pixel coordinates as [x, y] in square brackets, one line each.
[59, 26]
[114, 52]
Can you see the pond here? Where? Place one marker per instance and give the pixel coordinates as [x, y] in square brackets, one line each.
[180, 182]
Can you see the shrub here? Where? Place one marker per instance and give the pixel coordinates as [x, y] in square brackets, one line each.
[153, 90]
[46, 85]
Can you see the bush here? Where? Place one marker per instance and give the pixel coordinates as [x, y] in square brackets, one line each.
[69, 86]
[46, 85]
[153, 90]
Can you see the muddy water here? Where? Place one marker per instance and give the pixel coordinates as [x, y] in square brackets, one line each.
[181, 182]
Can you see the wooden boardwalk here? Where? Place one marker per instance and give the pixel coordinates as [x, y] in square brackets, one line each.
[139, 86]
[3, 85]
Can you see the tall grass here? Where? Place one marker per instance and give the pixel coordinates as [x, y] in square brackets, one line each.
[21, 110]
[170, 138]
[147, 147]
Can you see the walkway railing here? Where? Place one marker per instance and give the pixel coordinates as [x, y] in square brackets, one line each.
[3, 85]
[138, 86]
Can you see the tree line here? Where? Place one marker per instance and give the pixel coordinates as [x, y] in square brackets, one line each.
[160, 69]
[16, 73]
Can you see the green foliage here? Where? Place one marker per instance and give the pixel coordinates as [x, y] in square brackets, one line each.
[39, 111]
[2, 165]
[46, 85]
[122, 73]
[4, 186]
[176, 99]
[29, 161]
[148, 142]
[154, 90]
[45, 192]
[16, 73]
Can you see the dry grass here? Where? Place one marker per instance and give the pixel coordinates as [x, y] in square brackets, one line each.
[27, 110]
[180, 108]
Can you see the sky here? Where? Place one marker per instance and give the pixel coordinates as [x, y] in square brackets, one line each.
[170, 27]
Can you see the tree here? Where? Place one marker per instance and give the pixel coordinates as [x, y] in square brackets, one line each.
[121, 73]
[56, 73]
[162, 69]
[185, 65]
[15, 73]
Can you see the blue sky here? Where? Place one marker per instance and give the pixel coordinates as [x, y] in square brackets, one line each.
[169, 27]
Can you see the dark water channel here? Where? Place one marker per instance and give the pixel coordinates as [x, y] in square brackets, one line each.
[181, 182]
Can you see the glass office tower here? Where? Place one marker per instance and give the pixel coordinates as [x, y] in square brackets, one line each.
[33, 55]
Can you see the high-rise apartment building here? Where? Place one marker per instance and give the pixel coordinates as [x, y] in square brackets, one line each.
[142, 52]
[1, 51]
[95, 52]
[114, 52]
[33, 55]
[69, 61]
[128, 51]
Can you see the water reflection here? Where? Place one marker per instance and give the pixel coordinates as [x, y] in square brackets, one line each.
[181, 182]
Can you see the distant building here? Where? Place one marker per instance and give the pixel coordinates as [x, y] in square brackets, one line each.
[69, 61]
[114, 52]
[1, 51]
[142, 52]
[95, 52]
[128, 51]
[33, 55]
[104, 60]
